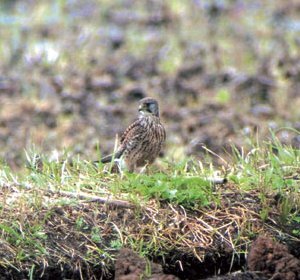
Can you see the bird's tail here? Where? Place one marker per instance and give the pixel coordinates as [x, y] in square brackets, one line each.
[109, 158]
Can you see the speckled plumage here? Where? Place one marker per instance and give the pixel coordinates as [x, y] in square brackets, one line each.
[142, 141]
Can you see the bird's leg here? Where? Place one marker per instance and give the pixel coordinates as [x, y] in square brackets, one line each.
[145, 169]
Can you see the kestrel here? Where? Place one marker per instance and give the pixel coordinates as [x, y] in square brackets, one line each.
[142, 141]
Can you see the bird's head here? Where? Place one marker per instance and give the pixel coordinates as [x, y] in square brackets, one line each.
[149, 106]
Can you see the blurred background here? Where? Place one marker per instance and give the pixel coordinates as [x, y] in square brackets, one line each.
[72, 72]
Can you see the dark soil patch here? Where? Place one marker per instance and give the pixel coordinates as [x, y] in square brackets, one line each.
[188, 267]
[58, 272]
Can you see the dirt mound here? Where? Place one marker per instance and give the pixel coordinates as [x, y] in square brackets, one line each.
[273, 260]
[130, 266]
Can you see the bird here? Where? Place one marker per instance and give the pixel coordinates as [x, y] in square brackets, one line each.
[143, 140]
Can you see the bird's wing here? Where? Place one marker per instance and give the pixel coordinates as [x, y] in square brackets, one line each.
[132, 133]
[130, 128]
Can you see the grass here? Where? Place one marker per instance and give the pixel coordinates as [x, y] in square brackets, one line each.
[175, 207]
[272, 168]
